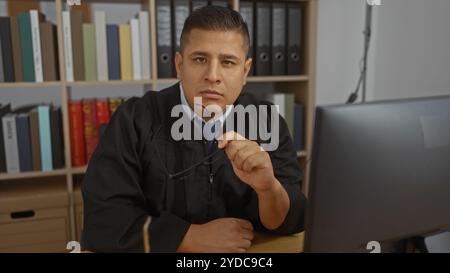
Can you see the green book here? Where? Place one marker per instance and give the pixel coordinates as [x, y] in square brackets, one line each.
[90, 55]
[289, 100]
[26, 46]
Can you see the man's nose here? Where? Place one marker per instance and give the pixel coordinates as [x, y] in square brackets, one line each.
[213, 73]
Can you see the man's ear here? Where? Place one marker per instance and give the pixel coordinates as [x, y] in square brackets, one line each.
[178, 63]
[247, 66]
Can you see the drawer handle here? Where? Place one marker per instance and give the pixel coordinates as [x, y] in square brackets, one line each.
[22, 214]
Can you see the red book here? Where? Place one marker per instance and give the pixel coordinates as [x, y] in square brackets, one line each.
[77, 144]
[90, 127]
[102, 108]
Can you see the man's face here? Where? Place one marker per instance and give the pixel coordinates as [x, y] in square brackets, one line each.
[213, 66]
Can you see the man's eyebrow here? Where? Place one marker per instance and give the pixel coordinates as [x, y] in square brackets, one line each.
[201, 53]
[228, 56]
[222, 56]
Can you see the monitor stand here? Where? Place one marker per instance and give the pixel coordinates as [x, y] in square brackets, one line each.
[434, 243]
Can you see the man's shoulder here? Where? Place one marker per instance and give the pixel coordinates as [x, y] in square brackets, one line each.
[149, 109]
[246, 98]
[167, 95]
[154, 101]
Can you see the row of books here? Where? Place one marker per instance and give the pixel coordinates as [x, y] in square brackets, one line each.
[88, 119]
[293, 113]
[101, 51]
[275, 30]
[31, 138]
[28, 48]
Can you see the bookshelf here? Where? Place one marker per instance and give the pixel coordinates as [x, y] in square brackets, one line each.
[303, 86]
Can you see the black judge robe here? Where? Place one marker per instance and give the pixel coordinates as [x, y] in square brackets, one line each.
[127, 180]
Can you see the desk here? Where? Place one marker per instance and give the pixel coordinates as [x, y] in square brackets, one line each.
[264, 243]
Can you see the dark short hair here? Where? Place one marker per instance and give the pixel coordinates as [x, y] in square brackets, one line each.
[215, 18]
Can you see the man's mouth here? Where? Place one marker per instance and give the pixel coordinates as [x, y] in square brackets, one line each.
[211, 94]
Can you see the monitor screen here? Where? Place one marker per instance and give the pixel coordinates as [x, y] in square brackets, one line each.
[380, 172]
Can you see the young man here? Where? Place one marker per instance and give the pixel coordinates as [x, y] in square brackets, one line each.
[140, 170]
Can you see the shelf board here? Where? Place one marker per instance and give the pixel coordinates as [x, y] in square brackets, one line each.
[302, 153]
[103, 83]
[299, 78]
[78, 170]
[29, 84]
[167, 81]
[10, 176]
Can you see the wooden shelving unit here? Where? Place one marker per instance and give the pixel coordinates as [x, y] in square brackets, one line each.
[303, 86]
[252, 79]
[9, 85]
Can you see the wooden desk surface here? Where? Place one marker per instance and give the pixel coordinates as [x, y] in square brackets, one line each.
[264, 243]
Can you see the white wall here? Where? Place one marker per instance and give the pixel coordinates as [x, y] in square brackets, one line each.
[339, 48]
[413, 49]
[409, 54]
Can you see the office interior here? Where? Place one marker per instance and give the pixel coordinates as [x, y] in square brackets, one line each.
[390, 57]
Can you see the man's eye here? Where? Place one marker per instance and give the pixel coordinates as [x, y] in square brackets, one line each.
[200, 60]
[228, 63]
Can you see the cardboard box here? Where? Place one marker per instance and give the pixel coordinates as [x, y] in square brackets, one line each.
[34, 215]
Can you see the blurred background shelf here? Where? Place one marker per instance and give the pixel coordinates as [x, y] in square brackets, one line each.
[62, 92]
[22, 175]
[108, 83]
[12, 85]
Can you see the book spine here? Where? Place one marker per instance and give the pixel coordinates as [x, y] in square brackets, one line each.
[45, 138]
[112, 35]
[4, 109]
[77, 143]
[299, 127]
[6, 51]
[57, 136]
[24, 143]
[102, 109]
[76, 24]
[136, 51]
[125, 52]
[10, 140]
[90, 127]
[100, 46]
[114, 103]
[68, 57]
[279, 101]
[48, 46]
[35, 140]
[90, 58]
[145, 45]
[289, 112]
[17, 55]
[103, 116]
[36, 41]
[26, 46]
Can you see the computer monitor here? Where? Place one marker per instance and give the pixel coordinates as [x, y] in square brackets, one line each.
[379, 172]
